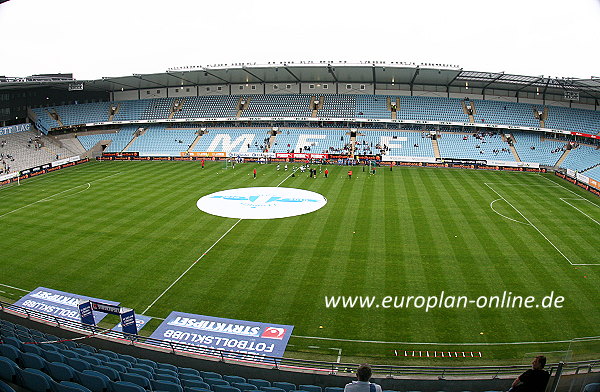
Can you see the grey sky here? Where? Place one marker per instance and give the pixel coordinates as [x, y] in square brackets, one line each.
[92, 39]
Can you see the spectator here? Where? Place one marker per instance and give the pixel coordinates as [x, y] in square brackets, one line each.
[534, 379]
[363, 373]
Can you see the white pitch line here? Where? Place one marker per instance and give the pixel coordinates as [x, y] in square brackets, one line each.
[15, 288]
[595, 221]
[532, 225]
[440, 343]
[504, 216]
[200, 258]
[48, 176]
[55, 194]
[293, 171]
[190, 267]
[567, 189]
[339, 350]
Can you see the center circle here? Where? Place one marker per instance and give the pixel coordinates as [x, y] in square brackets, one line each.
[261, 202]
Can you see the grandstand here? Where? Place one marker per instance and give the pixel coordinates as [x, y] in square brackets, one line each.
[418, 120]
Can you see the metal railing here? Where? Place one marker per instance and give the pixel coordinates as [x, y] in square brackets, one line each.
[292, 364]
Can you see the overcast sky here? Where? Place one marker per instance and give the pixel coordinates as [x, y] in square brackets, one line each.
[92, 39]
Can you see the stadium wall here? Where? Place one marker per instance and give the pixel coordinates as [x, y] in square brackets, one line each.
[321, 377]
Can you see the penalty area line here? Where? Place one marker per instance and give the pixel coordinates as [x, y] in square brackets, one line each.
[14, 288]
[564, 199]
[190, 267]
[47, 198]
[532, 225]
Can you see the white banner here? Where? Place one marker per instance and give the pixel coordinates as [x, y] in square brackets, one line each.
[513, 164]
[60, 162]
[8, 176]
[15, 129]
[571, 173]
[582, 178]
[395, 158]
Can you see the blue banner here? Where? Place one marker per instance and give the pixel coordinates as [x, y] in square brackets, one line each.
[15, 129]
[86, 313]
[140, 322]
[225, 334]
[59, 303]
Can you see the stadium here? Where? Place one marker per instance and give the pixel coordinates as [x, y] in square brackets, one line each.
[437, 223]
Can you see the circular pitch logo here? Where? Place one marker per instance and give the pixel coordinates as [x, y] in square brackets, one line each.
[261, 203]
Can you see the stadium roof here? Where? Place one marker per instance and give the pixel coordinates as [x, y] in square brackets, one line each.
[324, 72]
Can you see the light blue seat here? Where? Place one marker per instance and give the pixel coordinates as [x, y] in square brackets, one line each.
[232, 379]
[78, 364]
[166, 371]
[137, 379]
[167, 377]
[108, 353]
[33, 361]
[8, 369]
[225, 388]
[121, 362]
[286, 386]
[109, 372]
[12, 341]
[94, 381]
[91, 360]
[166, 386]
[32, 348]
[195, 384]
[69, 386]
[310, 388]
[185, 370]
[141, 372]
[127, 358]
[272, 389]
[60, 371]
[53, 356]
[126, 386]
[244, 386]
[10, 352]
[210, 375]
[191, 377]
[166, 366]
[117, 366]
[215, 381]
[259, 382]
[147, 362]
[35, 380]
[4, 387]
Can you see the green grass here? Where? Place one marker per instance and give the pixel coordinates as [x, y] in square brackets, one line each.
[136, 228]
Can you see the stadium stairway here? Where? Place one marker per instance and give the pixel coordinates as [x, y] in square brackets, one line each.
[196, 140]
[562, 158]
[136, 134]
[112, 112]
[471, 113]
[436, 147]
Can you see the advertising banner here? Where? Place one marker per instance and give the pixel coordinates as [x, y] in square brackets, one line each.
[140, 322]
[86, 313]
[58, 303]
[301, 155]
[513, 164]
[395, 158]
[128, 323]
[585, 179]
[15, 129]
[225, 334]
[219, 154]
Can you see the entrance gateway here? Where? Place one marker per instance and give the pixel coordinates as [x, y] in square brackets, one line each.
[261, 202]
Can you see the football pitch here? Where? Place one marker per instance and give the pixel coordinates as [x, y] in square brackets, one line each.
[473, 242]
